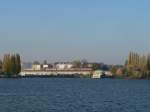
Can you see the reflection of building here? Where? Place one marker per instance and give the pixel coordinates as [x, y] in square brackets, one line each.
[97, 74]
[63, 66]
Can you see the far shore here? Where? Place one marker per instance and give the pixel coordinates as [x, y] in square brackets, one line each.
[66, 76]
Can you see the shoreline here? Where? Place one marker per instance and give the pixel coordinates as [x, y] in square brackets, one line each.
[64, 76]
[40, 76]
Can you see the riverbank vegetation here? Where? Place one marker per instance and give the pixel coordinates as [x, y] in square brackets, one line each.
[136, 66]
[10, 65]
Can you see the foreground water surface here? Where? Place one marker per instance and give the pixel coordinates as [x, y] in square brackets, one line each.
[74, 95]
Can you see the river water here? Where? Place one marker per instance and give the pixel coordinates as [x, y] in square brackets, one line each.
[74, 95]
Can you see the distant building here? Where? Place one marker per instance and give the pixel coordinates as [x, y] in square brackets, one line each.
[90, 65]
[63, 66]
[36, 67]
[46, 66]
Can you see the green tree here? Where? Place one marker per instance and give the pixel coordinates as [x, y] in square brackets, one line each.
[18, 63]
[137, 66]
[148, 62]
[126, 63]
[77, 64]
[1, 66]
[84, 63]
[7, 64]
[113, 70]
[45, 62]
[13, 65]
[130, 58]
[36, 62]
[95, 66]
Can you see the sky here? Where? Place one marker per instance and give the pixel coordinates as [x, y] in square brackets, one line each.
[65, 30]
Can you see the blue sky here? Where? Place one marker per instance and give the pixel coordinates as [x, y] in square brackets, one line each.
[65, 30]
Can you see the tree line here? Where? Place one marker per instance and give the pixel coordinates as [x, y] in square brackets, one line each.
[10, 65]
[85, 64]
[137, 65]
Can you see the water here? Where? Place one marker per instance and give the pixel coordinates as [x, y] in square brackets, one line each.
[74, 95]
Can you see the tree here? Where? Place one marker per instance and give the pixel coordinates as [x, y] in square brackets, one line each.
[18, 64]
[148, 62]
[11, 64]
[7, 64]
[45, 62]
[36, 62]
[126, 63]
[113, 70]
[77, 64]
[1, 66]
[95, 66]
[130, 58]
[138, 66]
[84, 63]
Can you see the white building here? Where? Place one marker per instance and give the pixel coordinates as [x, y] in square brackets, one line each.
[36, 67]
[47, 66]
[63, 66]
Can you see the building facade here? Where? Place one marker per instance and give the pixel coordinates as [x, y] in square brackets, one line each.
[36, 67]
[63, 66]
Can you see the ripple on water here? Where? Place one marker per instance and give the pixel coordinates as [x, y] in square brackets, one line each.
[74, 95]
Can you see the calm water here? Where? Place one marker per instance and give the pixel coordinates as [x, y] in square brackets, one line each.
[74, 95]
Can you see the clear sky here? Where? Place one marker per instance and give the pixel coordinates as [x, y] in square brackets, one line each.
[64, 30]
